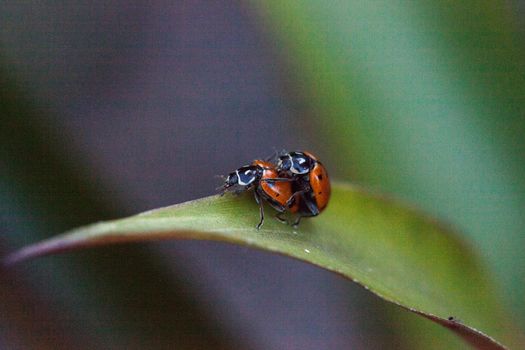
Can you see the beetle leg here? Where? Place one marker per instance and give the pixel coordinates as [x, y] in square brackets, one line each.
[296, 222]
[311, 206]
[279, 217]
[277, 179]
[261, 209]
[291, 200]
[273, 156]
[238, 191]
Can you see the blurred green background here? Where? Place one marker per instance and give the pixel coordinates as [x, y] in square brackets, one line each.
[109, 109]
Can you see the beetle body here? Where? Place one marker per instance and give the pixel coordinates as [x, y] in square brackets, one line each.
[310, 181]
[263, 178]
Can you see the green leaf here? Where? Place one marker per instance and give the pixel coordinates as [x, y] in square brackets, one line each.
[423, 99]
[390, 249]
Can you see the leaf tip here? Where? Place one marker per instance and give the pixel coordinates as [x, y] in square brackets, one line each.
[32, 251]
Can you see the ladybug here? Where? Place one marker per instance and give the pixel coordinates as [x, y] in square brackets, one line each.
[311, 185]
[263, 177]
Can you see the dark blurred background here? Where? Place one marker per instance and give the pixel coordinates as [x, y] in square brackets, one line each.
[112, 108]
[143, 103]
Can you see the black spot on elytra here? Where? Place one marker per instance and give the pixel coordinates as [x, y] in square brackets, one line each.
[320, 177]
[319, 192]
[277, 195]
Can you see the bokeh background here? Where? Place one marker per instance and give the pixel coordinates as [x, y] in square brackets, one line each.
[111, 108]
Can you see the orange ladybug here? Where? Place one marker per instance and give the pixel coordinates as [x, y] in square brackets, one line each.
[311, 184]
[263, 177]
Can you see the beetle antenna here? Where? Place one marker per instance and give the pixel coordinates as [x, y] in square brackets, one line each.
[222, 188]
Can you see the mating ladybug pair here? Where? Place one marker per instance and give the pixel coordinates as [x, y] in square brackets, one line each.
[298, 184]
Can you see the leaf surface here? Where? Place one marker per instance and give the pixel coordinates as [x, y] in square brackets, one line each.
[394, 251]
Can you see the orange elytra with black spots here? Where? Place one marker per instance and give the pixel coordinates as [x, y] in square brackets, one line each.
[273, 189]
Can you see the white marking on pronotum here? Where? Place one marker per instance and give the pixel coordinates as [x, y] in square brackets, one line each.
[239, 178]
[245, 173]
[292, 168]
[301, 161]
